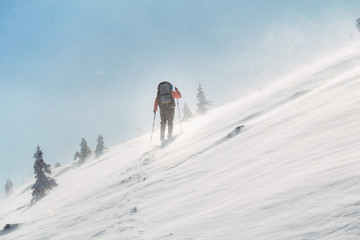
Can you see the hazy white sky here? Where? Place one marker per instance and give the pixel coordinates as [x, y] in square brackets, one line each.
[73, 69]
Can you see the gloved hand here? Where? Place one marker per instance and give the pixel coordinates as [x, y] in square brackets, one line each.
[154, 111]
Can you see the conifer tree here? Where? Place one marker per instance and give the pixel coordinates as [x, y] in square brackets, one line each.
[202, 102]
[187, 114]
[43, 183]
[358, 24]
[99, 147]
[9, 188]
[85, 152]
[77, 155]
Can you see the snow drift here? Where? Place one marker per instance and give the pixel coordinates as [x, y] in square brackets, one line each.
[292, 172]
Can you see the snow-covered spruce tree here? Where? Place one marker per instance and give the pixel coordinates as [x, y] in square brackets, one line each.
[187, 114]
[43, 183]
[85, 152]
[99, 147]
[77, 155]
[358, 24]
[202, 102]
[9, 186]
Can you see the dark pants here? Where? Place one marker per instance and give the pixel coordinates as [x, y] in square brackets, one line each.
[166, 116]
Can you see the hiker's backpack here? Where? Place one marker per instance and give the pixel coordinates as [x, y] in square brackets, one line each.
[164, 95]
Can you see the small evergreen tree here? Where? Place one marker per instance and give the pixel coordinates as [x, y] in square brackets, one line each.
[187, 114]
[99, 147]
[358, 24]
[43, 182]
[9, 188]
[77, 155]
[85, 152]
[202, 102]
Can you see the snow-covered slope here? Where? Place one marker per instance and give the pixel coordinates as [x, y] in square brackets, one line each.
[293, 172]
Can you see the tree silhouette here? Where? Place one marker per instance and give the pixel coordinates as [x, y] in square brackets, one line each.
[202, 102]
[43, 182]
[187, 114]
[100, 146]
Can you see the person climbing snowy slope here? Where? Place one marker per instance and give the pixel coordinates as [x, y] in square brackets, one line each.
[165, 100]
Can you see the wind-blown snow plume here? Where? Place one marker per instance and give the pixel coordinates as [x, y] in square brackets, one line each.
[290, 172]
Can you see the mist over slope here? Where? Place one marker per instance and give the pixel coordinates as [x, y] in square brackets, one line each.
[290, 173]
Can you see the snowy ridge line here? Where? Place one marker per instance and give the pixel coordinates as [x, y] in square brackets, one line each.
[352, 73]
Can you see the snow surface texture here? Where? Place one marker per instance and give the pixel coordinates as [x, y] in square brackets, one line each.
[291, 173]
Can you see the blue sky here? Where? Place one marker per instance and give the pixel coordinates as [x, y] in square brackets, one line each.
[73, 69]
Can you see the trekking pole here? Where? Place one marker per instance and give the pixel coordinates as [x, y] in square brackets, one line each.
[152, 130]
[177, 100]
